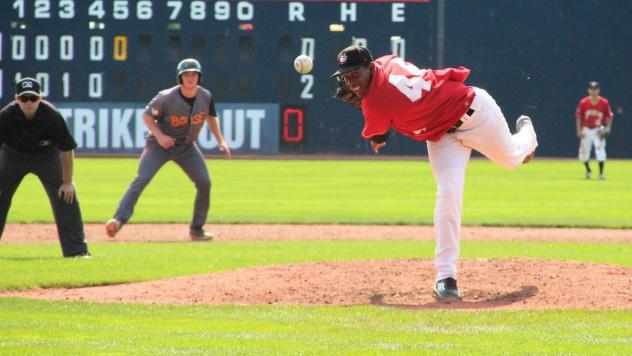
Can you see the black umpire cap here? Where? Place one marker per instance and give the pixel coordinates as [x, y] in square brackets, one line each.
[593, 85]
[352, 58]
[27, 85]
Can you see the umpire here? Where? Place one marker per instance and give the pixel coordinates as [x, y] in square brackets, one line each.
[34, 139]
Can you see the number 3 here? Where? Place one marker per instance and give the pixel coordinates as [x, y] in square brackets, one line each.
[411, 87]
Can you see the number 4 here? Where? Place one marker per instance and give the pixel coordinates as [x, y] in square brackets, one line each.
[411, 87]
[96, 9]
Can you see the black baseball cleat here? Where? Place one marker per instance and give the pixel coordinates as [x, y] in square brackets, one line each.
[200, 235]
[85, 255]
[446, 289]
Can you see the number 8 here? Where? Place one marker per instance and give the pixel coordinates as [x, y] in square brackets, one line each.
[198, 10]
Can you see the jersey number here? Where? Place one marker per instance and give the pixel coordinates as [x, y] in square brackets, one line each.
[411, 87]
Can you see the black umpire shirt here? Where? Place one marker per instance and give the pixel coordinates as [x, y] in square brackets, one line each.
[45, 132]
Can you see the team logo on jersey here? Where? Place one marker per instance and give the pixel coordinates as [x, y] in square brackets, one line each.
[342, 58]
[198, 118]
[177, 121]
[44, 143]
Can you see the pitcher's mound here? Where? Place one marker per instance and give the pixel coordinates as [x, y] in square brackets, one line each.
[510, 284]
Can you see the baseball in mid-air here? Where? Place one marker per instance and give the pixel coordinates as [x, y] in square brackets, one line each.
[303, 64]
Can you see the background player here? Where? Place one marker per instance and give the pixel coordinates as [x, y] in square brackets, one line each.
[436, 106]
[34, 139]
[175, 117]
[594, 121]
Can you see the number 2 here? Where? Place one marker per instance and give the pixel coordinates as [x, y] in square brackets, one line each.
[411, 87]
[308, 80]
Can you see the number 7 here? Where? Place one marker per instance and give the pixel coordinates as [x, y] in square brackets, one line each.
[177, 5]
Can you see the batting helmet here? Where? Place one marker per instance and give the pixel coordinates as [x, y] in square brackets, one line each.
[189, 65]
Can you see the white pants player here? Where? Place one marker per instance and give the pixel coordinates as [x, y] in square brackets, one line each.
[591, 137]
[487, 132]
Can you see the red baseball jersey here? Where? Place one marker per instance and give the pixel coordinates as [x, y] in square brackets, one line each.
[594, 115]
[419, 103]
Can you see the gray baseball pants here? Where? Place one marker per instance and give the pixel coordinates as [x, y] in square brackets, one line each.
[189, 158]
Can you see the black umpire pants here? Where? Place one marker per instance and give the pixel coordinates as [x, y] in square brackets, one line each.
[14, 165]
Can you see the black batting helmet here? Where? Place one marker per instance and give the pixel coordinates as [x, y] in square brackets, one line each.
[189, 65]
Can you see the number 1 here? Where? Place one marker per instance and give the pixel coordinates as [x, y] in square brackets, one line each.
[19, 5]
[65, 84]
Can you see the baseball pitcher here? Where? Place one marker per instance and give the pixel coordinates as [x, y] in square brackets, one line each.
[174, 118]
[594, 121]
[436, 106]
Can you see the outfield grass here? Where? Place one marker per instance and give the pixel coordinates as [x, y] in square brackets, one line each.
[35, 327]
[542, 193]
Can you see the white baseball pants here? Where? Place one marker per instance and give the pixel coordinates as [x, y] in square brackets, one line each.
[487, 132]
[591, 137]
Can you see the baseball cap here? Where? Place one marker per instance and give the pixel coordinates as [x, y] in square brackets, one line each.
[27, 85]
[352, 58]
[593, 85]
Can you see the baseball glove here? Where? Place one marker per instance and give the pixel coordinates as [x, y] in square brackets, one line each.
[603, 132]
[344, 94]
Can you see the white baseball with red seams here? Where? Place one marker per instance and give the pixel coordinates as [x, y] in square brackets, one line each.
[303, 64]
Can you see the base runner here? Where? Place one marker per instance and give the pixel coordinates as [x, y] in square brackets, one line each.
[174, 118]
[436, 106]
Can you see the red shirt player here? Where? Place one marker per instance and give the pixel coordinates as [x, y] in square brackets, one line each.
[436, 106]
[594, 121]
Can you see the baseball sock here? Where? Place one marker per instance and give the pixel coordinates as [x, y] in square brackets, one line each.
[601, 164]
[587, 166]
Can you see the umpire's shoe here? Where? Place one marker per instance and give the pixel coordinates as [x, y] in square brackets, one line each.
[112, 227]
[446, 289]
[200, 235]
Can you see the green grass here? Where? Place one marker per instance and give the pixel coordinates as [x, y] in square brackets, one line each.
[34, 327]
[39, 265]
[542, 193]
[545, 193]
[38, 327]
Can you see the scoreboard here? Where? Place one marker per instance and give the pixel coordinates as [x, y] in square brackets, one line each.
[101, 61]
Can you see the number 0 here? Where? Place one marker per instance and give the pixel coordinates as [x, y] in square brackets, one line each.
[120, 48]
[95, 85]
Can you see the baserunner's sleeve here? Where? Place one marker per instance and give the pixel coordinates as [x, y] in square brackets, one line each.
[211, 109]
[156, 107]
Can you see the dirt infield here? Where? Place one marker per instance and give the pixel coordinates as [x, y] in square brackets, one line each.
[487, 284]
[30, 233]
